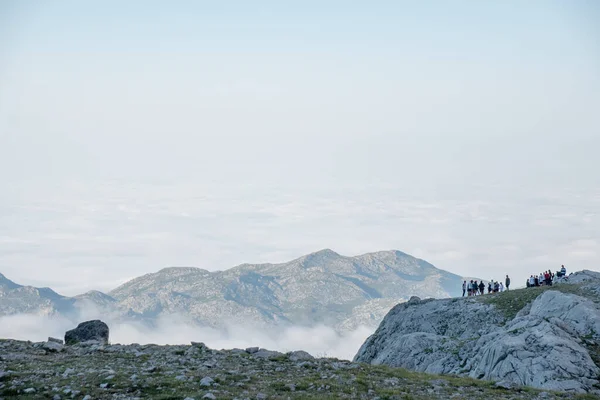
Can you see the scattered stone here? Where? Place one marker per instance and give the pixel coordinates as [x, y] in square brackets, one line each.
[209, 396]
[53, 347]
[252, 350]
[87, 397]
[199, 345]
[90, 330]
[206, 381]
[264, 353]
[300, 356]
[504, 385]
[29, 390]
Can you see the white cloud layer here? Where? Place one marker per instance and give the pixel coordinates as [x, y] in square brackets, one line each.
[82, 236]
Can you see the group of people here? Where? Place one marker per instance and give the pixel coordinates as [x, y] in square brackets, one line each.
[546, 278]
[475, 288]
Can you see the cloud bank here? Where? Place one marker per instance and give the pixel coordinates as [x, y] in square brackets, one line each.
[320, 341]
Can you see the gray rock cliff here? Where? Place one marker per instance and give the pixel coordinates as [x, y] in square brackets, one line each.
[551, 342]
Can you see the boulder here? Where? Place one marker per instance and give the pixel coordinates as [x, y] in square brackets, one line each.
[95, 330]
[300, 355]
[52, 347]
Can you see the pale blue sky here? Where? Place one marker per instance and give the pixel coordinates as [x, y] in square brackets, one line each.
[451, 103]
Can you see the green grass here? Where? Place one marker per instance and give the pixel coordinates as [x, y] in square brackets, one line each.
[512, 301]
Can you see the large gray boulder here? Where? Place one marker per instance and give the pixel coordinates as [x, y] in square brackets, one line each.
[549, 344]
[95, 330]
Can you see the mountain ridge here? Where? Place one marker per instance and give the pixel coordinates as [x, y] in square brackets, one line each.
[323, 287]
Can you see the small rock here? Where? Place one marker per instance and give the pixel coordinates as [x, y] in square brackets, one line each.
[300, 356]
[87, 397]
[261, 396]
[264, 353]
[206, 381]
[53, 347]
[56, 397]
[29, 390]
[103, 385]
[199, 345]
[252, 350]
[68, 372]
[505, 385]
[189, 398]
[209, 396]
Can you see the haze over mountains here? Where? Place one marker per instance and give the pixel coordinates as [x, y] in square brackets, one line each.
[322, 288]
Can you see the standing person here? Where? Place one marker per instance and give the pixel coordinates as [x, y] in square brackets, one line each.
[531, 281]
[464, 288]
[475, 288]
[481, 287]
[470, 288]
[536, 281]
[501, 287]
[563, 271]
[490, 286]
[507, 282]
[542, 279]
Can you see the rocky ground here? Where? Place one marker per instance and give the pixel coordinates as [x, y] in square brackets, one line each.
[95, 371]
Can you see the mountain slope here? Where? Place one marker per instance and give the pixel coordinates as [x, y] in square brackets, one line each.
[547, 337]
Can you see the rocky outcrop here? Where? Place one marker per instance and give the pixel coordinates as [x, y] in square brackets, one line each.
[549, 344]
[88, 331]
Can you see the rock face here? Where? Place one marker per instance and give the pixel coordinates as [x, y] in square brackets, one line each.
[88, 331]
[551, 343]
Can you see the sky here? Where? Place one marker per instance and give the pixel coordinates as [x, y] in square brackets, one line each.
[140, 135]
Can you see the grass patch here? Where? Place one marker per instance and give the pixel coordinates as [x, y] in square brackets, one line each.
[512, 301]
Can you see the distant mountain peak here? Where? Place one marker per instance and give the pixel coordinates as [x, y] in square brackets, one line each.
[319, 258]
[180, 270]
